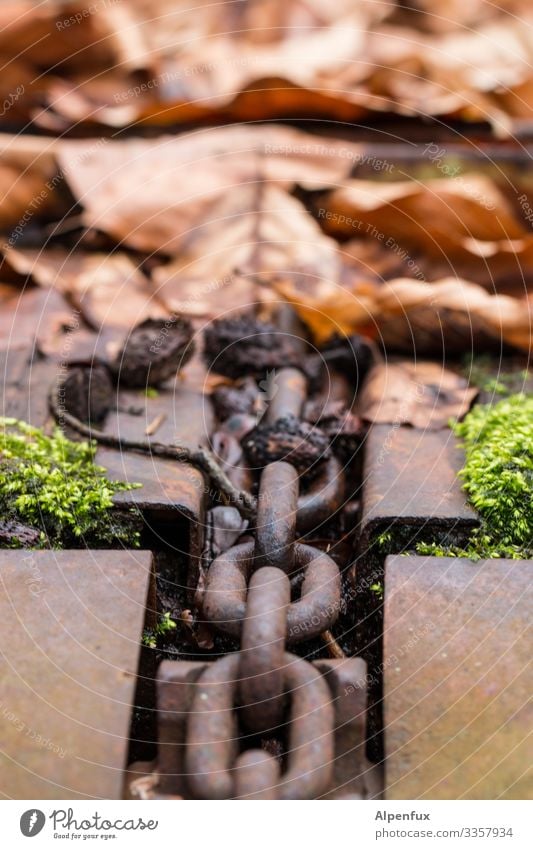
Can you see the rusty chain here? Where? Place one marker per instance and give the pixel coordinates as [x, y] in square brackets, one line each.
[212, 734]
[316, 611]
[248, 595]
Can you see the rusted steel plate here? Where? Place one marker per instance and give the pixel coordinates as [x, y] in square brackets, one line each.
[171, 492]
[354, 776]
[24, 382]
[457, 654]
[410, 492]
[70, 635]
[410, 480]
[186, 415]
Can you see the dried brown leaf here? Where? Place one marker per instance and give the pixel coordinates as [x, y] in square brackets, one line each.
[107, 289]
[153, 194]
[415, 316]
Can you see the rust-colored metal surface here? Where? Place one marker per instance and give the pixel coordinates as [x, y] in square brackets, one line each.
[411, 492]
[212, 732]
[289, 396]
[316, 610]
[175, 690]
[326, 716]
[70, 636]
[257, 775]
[276, 517]
[169, 489]
[457, 655]
[323, 498]
[37, 316]
[171, 492]
[354, 776]
[262, 649]
[410, 480]
[25, 379]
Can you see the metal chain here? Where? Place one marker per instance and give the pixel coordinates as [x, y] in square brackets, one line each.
[212, 736]
[247, 595]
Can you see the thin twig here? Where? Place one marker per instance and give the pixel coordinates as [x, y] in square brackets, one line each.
[332, 645]
[155, 424]
[201, 459]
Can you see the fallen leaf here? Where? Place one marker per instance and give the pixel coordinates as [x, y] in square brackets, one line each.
[435, 216]
[415, 316]
[450, 315]
[165, 62]
[107, 289]
[463, 226]
[152, 194]
[327, 307]
[249, 237]
[34, 315]
[174, 62]
[32, 192]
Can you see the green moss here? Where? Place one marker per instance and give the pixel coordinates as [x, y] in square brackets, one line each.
[161, 629]
[54, 485]
[498, 478]
[377, 589]
[384, 540]
[485, 372]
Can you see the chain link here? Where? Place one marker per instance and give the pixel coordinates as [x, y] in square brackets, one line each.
[212, 733]
[248, 595]
[263, 646]
[317, 610]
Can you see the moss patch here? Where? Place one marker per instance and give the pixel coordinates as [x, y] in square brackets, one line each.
[486, 372]
[162, 628]
[498, 478]
[53, 485]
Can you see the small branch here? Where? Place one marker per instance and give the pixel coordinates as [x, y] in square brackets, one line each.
[199, 458]
[154, 425]
[332, 645]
